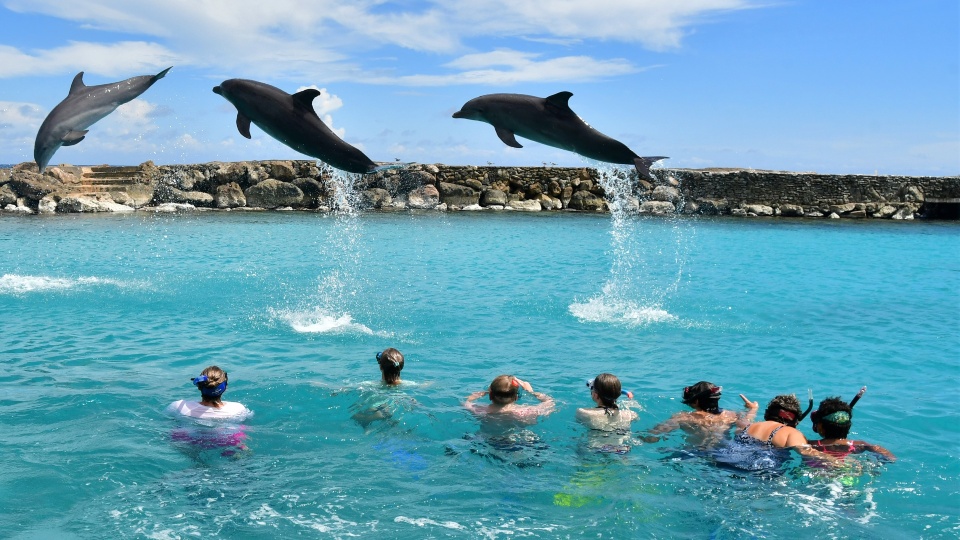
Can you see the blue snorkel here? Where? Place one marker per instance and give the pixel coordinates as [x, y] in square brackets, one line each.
[624, 393]
[207, 391]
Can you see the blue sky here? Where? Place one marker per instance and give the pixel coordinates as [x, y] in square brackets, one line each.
[834, 87]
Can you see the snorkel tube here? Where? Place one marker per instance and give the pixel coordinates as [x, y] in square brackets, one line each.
[810, 404]
[857, 397]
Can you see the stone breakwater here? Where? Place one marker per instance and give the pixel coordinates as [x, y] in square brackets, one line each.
[308, 185]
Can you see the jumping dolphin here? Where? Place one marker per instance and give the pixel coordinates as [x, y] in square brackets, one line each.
[67, 123]
[290, 119]
[551, 122]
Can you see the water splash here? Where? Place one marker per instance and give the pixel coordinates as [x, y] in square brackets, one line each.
[17, 284]
[648, 258]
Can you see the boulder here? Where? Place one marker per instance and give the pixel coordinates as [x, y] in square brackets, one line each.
[759, 209]
[842, 208]
[85, 204]
[423, 198]
[7, 196]
[17, 209]
[280, 170]
[910, 193]
[791, 210]
[525, 205]
[713, 207]
[886, 211]
[657, 207]
[173, 207]
[230, 196]
[457, 194]
[32, 186]
[47, 205]
[586, 201]
[903, 212]
[312, 191]
[375, 198]
[665, 193]
[272, 193]
[490, 197]
[550, 203]
[196, 198]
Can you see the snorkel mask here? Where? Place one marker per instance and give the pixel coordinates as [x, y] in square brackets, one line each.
[839, 418]
[207, 391]
[712, 393]
[624, 393]
[394, 362]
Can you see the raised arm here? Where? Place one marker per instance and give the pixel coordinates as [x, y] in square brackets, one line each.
[750, 412]
[469, 403]
[546, 405]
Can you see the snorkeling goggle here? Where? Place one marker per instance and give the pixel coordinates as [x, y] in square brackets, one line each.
[628, 395]
[394, 362]
[712, 393]
[839, 418]
[207, 391]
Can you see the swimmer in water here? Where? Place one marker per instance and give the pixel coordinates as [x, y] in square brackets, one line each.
[832, 420]
[707, 424]
[609, 424]
[377, 406]
[212, 383]
[504, 392]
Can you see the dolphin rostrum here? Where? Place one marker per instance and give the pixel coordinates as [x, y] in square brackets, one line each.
[290, 119]
[67, 123]
[550, 121]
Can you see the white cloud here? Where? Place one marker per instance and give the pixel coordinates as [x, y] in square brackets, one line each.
[295, 39]
[112, 60]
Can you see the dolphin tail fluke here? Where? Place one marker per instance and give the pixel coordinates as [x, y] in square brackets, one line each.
[391, 166]
[643, 165]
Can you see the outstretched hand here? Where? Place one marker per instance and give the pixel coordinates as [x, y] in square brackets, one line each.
[524, 384]
[752, 405]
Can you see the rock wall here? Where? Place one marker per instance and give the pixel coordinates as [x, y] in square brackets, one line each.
[305, 185]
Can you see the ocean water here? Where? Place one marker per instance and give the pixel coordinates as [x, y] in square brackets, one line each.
[104, 319]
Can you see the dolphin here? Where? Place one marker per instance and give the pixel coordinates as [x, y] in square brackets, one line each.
[67, 123]
[290, 119]
[550, 121]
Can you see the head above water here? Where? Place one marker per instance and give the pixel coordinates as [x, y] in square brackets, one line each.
[391, 364]
[785, 409]
[703, 396]
[504, 390]
[833, 418]
[606, 387]
[212, 383]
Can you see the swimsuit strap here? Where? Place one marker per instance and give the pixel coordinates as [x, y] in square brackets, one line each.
[774, 432]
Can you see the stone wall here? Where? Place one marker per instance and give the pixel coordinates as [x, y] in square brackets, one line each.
[305, 185]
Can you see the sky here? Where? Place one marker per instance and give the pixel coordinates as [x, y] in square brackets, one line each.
[852, 87]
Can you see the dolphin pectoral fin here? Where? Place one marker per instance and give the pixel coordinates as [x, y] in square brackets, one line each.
[243, 125]
[560, 100]
[77, 84]
[73, 137]
[643, 165]
[508, 138]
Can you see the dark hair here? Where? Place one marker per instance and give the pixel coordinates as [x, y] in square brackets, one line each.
[504, 390]
[607, 387]
[704, 396]
[785, 409]
[391, 364]
[830, 429]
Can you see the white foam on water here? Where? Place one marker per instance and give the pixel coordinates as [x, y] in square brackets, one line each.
[602, 309]
[19, 284]
[422, 522]
[320, 321]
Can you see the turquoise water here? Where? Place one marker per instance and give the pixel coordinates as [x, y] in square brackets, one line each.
[103, 320]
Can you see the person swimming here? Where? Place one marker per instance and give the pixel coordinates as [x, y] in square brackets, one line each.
[832, 420]
[390, 361]
[609, 424]
[211, 383]
[707, 425]
[504, 392]
[377, 405]
[766, 445]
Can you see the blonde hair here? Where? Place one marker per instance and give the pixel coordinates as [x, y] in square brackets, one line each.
[215, 376]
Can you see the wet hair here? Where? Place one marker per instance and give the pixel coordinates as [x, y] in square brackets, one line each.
[504, 390]
[785, 409]
[214, 378]
[607, 387]
[703, 395]
[838, 425]
[391, 364]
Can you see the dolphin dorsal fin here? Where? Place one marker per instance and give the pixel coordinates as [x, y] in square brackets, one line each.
[77, 84]
[560, 100]
[305, 97]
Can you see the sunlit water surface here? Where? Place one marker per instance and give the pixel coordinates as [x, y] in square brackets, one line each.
[103, 320]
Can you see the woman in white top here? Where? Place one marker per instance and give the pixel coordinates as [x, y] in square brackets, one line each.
[609, 424]
[212, 383]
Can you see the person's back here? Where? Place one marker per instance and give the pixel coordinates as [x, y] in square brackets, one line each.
[707, 425]
[503, 409]
[212, 383]
[832, 420]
